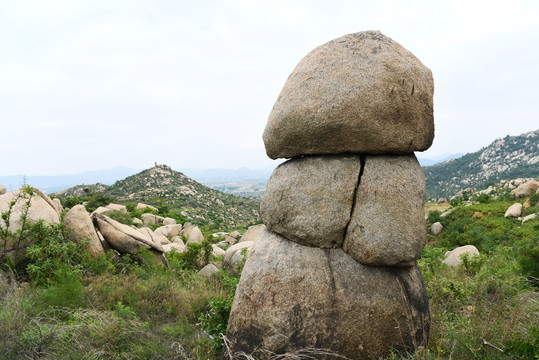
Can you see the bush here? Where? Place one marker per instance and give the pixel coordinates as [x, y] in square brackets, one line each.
[121, 217]
[433, 216]
[483, 198]
[51, 253]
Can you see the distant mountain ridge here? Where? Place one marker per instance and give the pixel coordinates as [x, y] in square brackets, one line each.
[55, 183]
[507, 158]
[438, 159]
[162, 186]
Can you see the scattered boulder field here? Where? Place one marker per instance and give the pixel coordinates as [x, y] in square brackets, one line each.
[101, 233]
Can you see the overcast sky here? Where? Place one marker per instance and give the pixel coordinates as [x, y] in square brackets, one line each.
[88, 85]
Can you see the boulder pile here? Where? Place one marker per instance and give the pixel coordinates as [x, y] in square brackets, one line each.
[335, 267]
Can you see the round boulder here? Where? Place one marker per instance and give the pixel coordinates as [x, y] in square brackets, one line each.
[252, 232]
[293, 297]
[195, 236]
[2, 189]
[208, 271]
[233, 254]
[514, 210]
[436, 228]
[452, 258]
[388, 227]
[309, 200]
[80, 227]
[217, 251]
[360, 93]
[526, 189]
[41, 208]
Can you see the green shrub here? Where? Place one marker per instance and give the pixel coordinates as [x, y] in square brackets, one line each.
[121, 217]
[51, 251]
[215, 319]
[196, 256]
[433, 216]
[483, 198]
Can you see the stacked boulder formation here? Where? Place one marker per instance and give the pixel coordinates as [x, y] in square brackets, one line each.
[336, 266]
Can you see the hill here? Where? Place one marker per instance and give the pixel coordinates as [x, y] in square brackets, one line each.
[176, 193]
[507, 158]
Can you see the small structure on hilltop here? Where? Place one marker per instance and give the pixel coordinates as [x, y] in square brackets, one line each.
[336, 266]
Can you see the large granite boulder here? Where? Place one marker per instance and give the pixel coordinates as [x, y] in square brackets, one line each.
[360, 93]
[388, 227]
[151, 219]
[233, 255]
[252, 232]
[514, 210]
[195, 236]
[117, 207]
[41, 207]
[453, 257]
[307, 297]
[309, 200]
[123, 238]
[187, 228]
[526, 189]
[436, 228]
[80, 227]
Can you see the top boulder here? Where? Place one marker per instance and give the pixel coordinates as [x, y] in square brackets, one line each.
[360, 93]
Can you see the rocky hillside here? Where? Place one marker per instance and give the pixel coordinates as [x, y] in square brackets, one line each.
[82, 190]
[507, 158]
[162, 186]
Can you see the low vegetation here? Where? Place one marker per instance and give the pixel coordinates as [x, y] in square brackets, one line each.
[57, 302]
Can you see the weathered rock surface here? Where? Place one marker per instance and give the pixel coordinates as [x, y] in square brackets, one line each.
[436, 228]
[452, 258]
[387, 227]
[360, 93]
[252, 232]
[233, 254]
[41, 208]
[217, 251]
[307, 297]
[58, 205]
[101, 210]
[187, 228]
[117, 207]
[231, 240]
[529, 217]
[169, 221]
[195, 236]
[141, 206]
[176, 246]
[526, 189]
[235, 234]
[151, 219]
[2, 189]
[309, 200]
[169, 231]
[123, 238]
[80, 227]
[514, 210]
[177, 239]
[208, 271]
